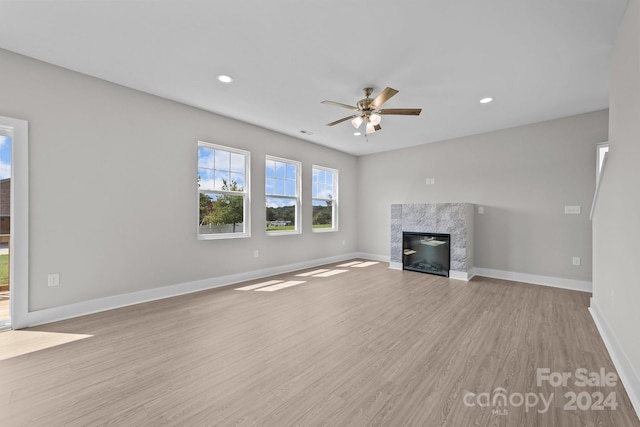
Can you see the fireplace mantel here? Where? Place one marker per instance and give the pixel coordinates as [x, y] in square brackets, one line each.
[455, 219]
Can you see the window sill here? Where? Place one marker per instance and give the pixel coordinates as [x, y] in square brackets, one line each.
[283, 233]
[324, 230]
[223, 236]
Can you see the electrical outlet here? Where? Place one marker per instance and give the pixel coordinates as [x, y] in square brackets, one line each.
[576, 260]
[611, 297]
[256, 253]
[53, 279]
[481, 210]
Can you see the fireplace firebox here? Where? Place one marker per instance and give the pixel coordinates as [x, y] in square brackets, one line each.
[426, 252]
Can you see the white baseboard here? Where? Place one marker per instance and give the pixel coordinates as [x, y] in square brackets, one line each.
[55, 314]
[555, 282]
[459, 275]
[472, 273]
[373, 257]
[628, 376]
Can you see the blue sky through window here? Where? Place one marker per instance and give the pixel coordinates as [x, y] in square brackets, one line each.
[322, 187]
[277, 202]
[216, 166]
[280, 179]
[5, 157]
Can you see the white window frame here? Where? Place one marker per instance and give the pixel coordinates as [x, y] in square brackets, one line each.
[245, 194]
[297, 198]
[601, 150]
[333, 199]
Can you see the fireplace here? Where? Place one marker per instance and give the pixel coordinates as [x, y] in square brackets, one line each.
[426, 252]
[454, 219]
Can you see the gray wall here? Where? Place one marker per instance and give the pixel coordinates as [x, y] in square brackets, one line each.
[113, 204]
[616, 222]
[522, 176]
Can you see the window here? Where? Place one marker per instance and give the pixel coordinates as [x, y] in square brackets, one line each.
[602, 149]
[324, 199]
[223, 192]
[282, 191]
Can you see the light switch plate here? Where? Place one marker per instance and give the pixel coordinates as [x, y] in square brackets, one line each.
[53, 279]
[572, 210]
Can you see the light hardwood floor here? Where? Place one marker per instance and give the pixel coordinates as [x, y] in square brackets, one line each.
[4, 305]
[370, 346]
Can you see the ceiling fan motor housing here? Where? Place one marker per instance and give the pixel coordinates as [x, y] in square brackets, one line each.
[364, 104]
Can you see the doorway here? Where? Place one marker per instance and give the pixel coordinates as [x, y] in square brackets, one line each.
[14, 223]
[5, 229]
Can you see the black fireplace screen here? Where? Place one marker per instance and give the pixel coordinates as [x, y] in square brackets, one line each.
[426, 252]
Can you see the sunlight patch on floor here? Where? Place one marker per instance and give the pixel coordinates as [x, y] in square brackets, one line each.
[311, 273]
[349, 264]
[258, 285]
[330, 273]
[358, 264]
[365, 264]
[282, 286]
[17, 343]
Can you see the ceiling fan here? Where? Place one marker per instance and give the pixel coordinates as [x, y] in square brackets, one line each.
[369, 112]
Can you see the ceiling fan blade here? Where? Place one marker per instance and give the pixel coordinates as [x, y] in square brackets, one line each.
[402, 111]
[383, 97]
[344, 119]
[339, 104]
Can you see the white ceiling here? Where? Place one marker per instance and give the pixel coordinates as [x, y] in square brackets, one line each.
[539, 59]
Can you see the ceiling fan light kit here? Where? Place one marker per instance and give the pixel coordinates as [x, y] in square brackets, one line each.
[371, 128]
[357, 122]
[369, 112]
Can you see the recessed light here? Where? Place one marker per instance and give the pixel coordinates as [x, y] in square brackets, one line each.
[225, 79]
[357, 133]
[486, 100]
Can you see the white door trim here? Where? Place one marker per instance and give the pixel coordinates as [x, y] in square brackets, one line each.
[19, 245]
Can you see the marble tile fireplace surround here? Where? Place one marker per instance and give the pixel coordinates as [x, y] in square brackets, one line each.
[455, 219]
